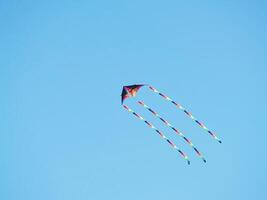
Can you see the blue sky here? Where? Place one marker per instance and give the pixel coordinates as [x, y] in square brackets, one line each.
[63, 132]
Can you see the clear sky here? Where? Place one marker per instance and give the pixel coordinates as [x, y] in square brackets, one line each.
[63, 132]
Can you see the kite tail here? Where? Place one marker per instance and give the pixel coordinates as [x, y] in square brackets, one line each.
[186, 112]
[173, 128]
[159, 132]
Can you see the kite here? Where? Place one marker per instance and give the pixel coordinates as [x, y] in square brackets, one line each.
[131, 91]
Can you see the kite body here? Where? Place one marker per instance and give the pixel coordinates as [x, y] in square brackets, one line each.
[131, 91]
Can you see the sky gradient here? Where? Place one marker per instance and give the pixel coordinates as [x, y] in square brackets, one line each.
[64, 134]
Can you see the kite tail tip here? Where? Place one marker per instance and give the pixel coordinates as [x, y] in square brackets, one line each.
[188, 162]
[204, 160]
[220, 141]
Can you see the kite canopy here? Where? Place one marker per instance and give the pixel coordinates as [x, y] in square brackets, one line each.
[129, 91]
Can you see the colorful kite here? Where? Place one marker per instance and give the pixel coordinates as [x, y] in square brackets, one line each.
[131, 91]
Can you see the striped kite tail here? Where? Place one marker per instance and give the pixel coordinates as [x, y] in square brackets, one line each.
[186, 112]
[173, 128]
[159, 132]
